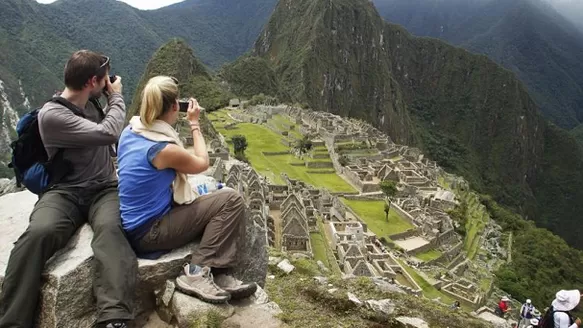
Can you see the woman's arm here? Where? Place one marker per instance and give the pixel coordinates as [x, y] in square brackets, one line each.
[177, 158]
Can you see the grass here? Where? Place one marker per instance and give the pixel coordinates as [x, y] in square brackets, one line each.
[428, 290]
[372, 213]
[319, 248]
[280, 121]
[305, 303]
[477, 218]
[262, 139]
[429, 255]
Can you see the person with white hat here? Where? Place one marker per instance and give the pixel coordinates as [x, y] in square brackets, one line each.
[503, 307]
[565, 301]
[533, 323]
[525, 313]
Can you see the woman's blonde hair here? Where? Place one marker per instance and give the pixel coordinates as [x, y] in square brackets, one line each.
[158, 97]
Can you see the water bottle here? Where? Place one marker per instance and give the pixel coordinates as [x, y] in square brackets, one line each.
[204, 184]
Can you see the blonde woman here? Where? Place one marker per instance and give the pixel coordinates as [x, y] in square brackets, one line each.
[159, 208]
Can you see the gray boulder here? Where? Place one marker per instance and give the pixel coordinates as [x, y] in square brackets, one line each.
[66, 297]
[9, 186]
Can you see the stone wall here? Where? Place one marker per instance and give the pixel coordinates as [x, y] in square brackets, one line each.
[405, 234]
[404, 215]
[319, 165]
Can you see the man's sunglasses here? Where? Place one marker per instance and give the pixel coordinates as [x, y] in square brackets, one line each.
[105, 63]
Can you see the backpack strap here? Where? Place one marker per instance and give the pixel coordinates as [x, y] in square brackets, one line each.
[69, 105]
[58, 166]
[97, 104]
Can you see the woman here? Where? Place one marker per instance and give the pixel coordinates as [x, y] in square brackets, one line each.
[159, 208]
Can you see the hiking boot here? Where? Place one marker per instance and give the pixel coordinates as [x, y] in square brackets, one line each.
[235, 287]
[202, 286]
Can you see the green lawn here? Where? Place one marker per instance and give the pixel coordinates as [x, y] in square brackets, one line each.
[429, 255]
[262, 139]
[373, 214]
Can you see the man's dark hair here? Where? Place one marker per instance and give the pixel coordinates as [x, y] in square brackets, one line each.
[84, 65]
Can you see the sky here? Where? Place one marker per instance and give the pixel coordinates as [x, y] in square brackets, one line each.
[141, 4]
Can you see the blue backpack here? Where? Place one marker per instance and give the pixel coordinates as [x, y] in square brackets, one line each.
[30, 161]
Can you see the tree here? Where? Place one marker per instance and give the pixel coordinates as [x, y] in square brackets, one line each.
[389, 188]
[343, 160]
[239, 145]
[304, 145]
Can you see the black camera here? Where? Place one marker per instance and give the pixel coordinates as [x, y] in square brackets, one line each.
[112, 78]
[183, 103]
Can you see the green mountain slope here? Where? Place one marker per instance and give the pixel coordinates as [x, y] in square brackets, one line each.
[37, 39]
[465, 111]
[177, 59]
[528, 37]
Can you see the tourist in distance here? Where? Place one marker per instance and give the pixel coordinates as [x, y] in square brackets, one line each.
[81, 136]
[503, 307]
[526, 311]
[160, 210]
[533, 323]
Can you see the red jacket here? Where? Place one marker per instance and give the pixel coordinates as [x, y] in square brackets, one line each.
[503, 306]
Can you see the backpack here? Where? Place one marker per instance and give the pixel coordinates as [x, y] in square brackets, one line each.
[30, 161]
[548, 320]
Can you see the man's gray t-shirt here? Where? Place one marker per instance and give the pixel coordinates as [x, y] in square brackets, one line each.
[86, 141]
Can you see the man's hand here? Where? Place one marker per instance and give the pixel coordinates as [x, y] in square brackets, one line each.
[116, 86]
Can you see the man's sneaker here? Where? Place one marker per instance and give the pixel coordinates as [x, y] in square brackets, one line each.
[235, 287]
[113, 324]
[201, 285]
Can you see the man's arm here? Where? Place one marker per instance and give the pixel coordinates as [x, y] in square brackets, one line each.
[63, 129]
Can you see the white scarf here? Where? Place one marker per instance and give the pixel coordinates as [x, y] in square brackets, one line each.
[161, 131]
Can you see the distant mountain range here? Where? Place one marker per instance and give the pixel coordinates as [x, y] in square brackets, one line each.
[529, 37]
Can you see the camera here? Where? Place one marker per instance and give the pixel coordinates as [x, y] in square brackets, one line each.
[183, 103]
[112, 78]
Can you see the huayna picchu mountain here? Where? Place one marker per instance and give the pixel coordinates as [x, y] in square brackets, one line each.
[177, 59]
[471, 115]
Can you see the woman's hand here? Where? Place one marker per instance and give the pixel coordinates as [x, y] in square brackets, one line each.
[193, 112]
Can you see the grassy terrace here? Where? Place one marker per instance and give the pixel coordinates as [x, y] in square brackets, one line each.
[428, 290]
[281, 122]
[477, 220]
[262, 139]
[372, 213]
[429, 255]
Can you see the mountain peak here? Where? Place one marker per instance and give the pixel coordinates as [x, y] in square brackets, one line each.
[177, 59]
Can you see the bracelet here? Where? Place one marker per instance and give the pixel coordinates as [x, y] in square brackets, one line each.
[194, 124]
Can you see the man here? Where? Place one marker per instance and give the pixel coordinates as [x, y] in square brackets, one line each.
[88, 193]
[525, 313]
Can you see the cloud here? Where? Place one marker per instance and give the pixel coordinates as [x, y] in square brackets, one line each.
[140, 4]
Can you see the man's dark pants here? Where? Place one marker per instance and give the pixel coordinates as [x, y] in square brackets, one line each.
[55, 218]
